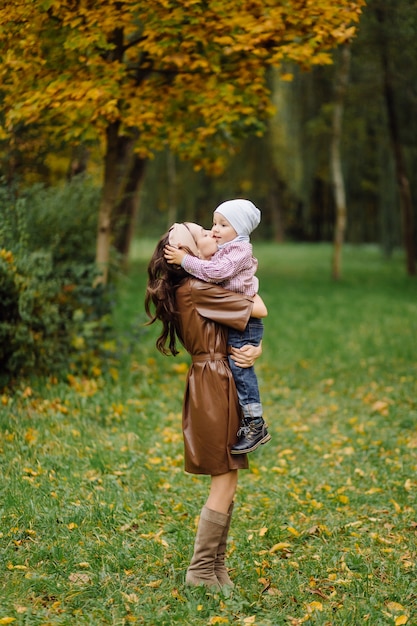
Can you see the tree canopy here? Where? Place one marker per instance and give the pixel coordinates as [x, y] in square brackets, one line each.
[164, 70]
[141, 74]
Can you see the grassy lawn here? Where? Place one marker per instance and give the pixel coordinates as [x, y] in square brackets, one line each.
[97, 517]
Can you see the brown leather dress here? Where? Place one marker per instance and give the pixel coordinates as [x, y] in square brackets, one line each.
[211, 413]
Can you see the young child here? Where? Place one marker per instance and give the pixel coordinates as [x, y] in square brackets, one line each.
[233, 266]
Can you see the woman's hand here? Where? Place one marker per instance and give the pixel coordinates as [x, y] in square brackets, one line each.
[246, 355]
[174, 255]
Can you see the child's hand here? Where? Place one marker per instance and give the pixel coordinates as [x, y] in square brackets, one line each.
[174, 255]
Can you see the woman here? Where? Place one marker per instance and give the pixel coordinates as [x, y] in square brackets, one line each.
[197, 314]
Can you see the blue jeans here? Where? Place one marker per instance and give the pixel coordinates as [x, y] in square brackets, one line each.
[245, 377]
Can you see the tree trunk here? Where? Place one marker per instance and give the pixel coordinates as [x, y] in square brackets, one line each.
[172, 189]
[406, 203]
[342, 79]
[388, 198]
[275, 205]
[124, 218]
[117, 161]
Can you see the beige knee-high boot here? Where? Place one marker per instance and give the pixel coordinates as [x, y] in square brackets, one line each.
[219, 565]
[209, 533]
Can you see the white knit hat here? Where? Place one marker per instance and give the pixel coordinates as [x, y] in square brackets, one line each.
[243, 215]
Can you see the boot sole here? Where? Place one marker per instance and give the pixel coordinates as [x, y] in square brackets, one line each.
[254, 447]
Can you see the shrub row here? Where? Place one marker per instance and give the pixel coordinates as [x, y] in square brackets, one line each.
[52, 317]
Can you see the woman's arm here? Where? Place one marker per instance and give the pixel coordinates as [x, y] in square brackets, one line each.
[225, 307]
[259, 308]
[220, 305]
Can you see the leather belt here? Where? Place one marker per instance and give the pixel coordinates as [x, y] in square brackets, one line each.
[209, 356]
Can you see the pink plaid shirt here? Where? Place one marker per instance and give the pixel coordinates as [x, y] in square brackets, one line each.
[232, 266]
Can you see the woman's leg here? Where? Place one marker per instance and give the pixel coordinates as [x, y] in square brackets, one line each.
[220, 568]
[222, 491]
[210, 542]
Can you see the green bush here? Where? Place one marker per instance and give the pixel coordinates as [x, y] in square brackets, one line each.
[52, 317]
[61, 220]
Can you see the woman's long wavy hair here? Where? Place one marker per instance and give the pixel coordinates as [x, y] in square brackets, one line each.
[163, 280]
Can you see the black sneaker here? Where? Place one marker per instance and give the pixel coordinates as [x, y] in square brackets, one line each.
[253, 434]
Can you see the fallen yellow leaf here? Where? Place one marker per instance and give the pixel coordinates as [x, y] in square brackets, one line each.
[154, 584]
[396, 506]
[79, 578]
[380, 406]
[314, 606]
[394, 606]
[180, 368]
[21, 609]
[130, 597]
[282, 545]
[286, 452]
[176, 594]
[155, 460]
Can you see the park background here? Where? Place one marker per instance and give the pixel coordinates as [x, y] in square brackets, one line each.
[107, 137]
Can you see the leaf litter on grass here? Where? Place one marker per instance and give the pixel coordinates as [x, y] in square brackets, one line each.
[97, 516]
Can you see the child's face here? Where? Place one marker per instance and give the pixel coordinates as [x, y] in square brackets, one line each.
[222, 230]
[206, 244]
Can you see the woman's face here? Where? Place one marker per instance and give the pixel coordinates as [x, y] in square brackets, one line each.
[206, 244]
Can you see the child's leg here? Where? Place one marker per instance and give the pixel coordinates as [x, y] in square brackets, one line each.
[245, 377]
[253, 432]
[247, 389]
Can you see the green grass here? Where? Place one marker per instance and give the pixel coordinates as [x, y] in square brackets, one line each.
[97, 517]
